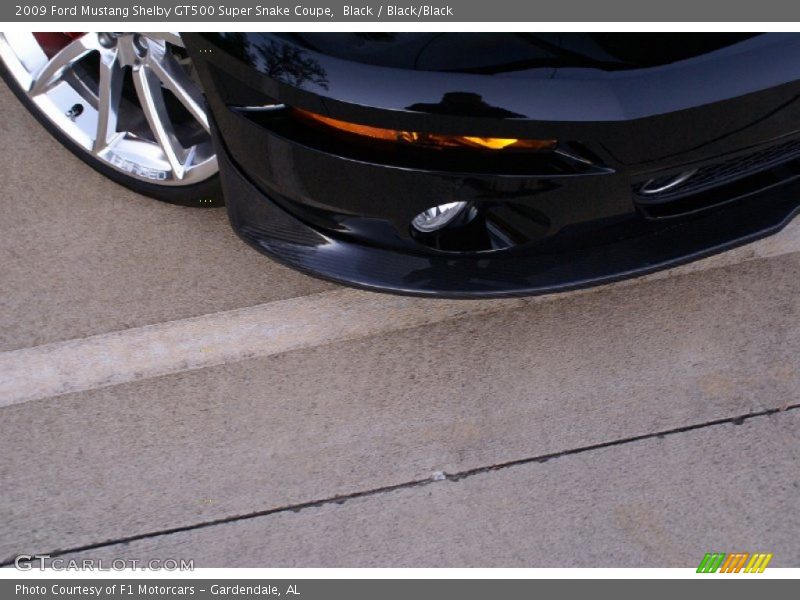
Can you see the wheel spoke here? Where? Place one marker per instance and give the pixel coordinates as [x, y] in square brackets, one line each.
[52, 72]
[177, 81]
[151, 99]
[108, 98]
[165, 36]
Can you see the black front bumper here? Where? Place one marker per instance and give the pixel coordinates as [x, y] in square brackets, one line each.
[334, 212]
[265, 225]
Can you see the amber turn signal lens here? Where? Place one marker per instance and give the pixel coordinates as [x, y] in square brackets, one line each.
[429, 140]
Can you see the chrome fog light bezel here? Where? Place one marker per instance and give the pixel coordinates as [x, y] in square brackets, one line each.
[440, 216]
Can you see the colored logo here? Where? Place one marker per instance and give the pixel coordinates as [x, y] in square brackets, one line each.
[743, 562]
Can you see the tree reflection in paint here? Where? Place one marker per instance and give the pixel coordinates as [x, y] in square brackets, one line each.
[281, 61]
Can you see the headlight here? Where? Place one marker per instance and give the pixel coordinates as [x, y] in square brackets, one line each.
[429, 140]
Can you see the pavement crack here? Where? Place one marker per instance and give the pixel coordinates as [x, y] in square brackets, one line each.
[436, 477]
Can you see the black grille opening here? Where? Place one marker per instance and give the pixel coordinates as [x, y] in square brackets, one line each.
[717, 174]
[722, 195]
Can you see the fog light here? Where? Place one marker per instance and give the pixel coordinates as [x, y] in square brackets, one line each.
[439, 217]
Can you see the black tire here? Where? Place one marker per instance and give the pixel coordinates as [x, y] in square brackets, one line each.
[205, 194]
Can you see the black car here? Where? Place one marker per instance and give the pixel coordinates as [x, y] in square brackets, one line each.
[450, 164]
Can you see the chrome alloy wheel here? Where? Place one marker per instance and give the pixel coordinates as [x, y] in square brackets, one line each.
[128, 99]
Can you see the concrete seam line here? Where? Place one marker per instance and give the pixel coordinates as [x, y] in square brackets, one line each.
[273, 328]
[448, 477]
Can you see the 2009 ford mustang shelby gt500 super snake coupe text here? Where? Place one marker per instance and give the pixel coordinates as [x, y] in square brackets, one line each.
[454, 164]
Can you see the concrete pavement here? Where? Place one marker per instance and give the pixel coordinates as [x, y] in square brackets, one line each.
[665, 500]
[84, 255]
[639, 424]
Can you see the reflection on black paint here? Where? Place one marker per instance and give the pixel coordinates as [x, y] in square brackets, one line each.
[503, 52]
[281, 61]
[465, 104]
